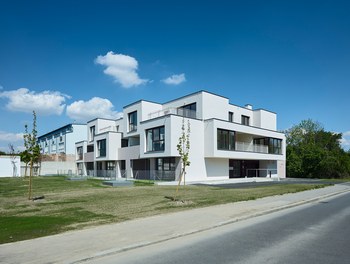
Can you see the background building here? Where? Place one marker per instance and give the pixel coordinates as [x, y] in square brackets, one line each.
[58, 149]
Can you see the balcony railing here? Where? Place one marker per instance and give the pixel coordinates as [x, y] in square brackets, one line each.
[154, 175]
[173, 111]
[267, 173]
[249, 147]
[104, 174]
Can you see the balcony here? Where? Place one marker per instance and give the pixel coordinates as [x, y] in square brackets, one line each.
[89, 157]
[173, 111]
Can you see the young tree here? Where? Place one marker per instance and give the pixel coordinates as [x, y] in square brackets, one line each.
[25, 155]
[32, 151]
[183, 147]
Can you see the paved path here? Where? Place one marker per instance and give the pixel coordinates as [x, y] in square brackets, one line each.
[77, 246]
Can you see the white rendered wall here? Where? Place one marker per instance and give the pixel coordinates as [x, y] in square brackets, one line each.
[281, 168]
[113, 143]
[217, 169]
[214, 106]
[238, 112]
[9, 169]
[148, 108]
[78, 134]
[265, 119]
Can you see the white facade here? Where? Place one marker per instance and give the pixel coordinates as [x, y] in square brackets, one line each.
[10, 166]
[62, 140]
[227, 141]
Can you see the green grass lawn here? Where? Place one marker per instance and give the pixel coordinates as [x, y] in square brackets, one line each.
[72, 205]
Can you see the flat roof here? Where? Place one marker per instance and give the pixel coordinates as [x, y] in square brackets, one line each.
[61, 128]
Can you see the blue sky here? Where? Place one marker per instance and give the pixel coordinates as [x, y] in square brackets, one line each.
[75, 60]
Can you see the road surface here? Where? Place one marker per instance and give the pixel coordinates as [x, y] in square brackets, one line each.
[314, 233]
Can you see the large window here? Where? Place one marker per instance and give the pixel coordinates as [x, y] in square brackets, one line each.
[245, 120]
[165, 164]
[133, 121]
[90, 148]
[110, 165]
[80, 153]
[155, 139]
[188, 110]
[101, 148]
[92, 133]
[274, 144]
[226, 139]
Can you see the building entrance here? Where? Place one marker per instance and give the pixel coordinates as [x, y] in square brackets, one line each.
[240, 168]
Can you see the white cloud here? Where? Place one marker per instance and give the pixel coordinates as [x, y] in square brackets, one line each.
[175, 79]
[44, 103]
[346, 134]
[345, 141]
[15, 139]
[10, 137]
[95, 107]
[122, 68]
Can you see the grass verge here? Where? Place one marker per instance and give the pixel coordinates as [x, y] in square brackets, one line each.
[72, 205]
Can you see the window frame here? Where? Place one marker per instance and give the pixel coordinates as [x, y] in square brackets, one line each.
[274, 145]
[245, 120]
[160, 164]
[229, 136]
[230, 116]
[189, 110]
[132, 120]
[101, 148]
[154, 138]
[80, 152]
[92, 133]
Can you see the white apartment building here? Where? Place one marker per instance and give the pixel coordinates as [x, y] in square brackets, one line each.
[226, 141]
[62, 140]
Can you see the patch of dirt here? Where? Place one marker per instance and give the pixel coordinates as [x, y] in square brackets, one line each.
[182, 203]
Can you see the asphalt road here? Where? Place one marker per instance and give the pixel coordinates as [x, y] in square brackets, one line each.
[314, 233]
[260, 184]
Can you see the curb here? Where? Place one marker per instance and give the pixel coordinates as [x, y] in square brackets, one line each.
[234, 220]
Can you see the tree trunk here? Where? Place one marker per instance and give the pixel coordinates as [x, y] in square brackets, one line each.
[30, 180]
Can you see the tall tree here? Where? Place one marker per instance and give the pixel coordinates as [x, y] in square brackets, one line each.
[313, 152]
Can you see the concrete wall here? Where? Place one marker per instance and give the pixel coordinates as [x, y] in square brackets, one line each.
[56, 167]
[10, 166]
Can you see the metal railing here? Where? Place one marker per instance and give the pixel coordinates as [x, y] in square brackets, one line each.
[267, 173]
[106, 174]
[154, 175]
[174, 111]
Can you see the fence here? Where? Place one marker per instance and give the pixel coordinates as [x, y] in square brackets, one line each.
[106, 174]
[154, 175]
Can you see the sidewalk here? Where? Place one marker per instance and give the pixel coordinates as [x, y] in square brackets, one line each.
[76, 246]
